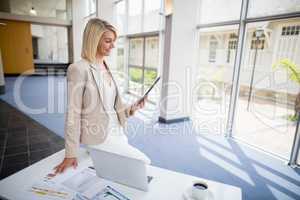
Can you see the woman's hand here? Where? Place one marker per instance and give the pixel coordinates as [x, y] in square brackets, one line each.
[138, 105]
[66, 163]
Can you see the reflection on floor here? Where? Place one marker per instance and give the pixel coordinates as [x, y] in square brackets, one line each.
[265, 125]
[181, 148]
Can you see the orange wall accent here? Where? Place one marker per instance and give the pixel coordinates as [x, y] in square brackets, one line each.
[16, 47]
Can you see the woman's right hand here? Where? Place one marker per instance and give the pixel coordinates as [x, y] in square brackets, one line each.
[66, 163]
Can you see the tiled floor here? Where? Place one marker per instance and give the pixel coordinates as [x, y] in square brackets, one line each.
[23, 141]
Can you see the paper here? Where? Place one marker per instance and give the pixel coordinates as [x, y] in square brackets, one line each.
[108, 193]
[83, 181]
[89, 186]
[84, 185]
[50, 190]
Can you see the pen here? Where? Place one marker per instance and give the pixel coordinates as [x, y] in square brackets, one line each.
[47, 191]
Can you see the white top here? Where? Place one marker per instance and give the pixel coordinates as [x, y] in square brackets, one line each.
[116, 141]
[115, 130]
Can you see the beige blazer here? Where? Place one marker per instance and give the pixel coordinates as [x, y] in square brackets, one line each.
[86, 118]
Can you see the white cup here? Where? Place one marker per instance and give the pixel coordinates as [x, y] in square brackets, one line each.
[199, 190]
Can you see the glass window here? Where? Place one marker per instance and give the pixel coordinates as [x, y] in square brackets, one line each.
[218, 10]
[151, 15]
[136, 56]
[214, 78]
[258, 8]
[290, 30]
[258, 42]
[232, 45]
[298, 159]
[151, 52]
[91, 6]
[135, 80]
[213, 45]
[142, 16]
[120, 57]
[135, 16]
[136, 52]
[143, 64]
[50, 44]
[151, 65]
[59, 9]
[121, 17]
[267, 89]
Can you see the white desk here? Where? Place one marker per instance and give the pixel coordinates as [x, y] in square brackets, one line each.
[166, 185]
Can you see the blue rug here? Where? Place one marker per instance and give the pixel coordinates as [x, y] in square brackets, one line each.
[176, 146]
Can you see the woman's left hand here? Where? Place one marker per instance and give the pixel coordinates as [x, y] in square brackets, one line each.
[138, 105]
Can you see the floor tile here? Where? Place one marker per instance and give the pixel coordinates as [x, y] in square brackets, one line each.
[1, 153]
[16, 150]
[16, 134]
[38, 139]
[3, 120]
[2, 143]
[39, 155]
[5, 108]
[14, 159]
[57, 147]
[19, 134]
[16, 141]
[39, 146]
[3, 137]
[9, 170]
[35, 132]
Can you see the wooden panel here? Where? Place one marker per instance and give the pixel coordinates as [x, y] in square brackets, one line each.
[16, 47]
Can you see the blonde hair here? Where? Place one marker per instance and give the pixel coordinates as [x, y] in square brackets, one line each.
[92, 34]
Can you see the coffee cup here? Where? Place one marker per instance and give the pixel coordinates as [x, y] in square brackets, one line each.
[199, 190]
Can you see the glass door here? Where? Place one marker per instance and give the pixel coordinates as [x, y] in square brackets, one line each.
[217, 49]
[268, 86]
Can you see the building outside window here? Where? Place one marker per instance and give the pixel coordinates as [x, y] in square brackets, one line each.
[259, 44]
[267, 123]
[232, 45]
[213, 46]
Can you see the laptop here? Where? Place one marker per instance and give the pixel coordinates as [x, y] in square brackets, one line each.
[119, 168]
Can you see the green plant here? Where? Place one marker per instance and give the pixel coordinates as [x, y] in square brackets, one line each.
[135, 74]
[294, 75]
[150, 76]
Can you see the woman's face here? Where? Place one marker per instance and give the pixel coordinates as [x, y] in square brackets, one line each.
[106, 43]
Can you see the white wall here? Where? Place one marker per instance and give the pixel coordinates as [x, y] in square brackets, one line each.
[107, 12]
[182, 62]
[37, 30]
[79, 12]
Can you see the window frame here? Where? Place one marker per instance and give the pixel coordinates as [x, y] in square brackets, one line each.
[143, 66]
[242, 23]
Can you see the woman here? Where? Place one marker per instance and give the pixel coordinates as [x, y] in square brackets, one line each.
[95, 113]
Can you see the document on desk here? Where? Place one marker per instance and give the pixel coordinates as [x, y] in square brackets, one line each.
[89, 186]
[49, 190]
[83, 185]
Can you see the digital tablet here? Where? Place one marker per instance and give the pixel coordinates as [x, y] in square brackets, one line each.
[150, 88]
